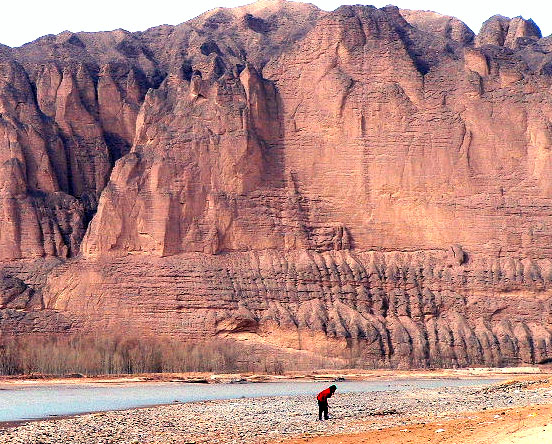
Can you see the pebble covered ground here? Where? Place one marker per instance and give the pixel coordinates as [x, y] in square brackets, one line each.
[263, 420]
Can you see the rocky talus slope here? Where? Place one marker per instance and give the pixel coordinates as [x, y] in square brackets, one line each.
[366, 184]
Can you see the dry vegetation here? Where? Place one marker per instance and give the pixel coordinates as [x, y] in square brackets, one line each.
[123, 354]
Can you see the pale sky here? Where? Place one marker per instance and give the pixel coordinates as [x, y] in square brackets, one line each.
[22, 21]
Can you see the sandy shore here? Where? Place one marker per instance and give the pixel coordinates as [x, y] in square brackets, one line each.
[319, 375]
[517, 425]
[356, 417]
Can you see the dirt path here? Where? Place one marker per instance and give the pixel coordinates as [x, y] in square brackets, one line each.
[529, 425]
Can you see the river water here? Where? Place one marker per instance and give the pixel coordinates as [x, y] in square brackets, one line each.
[49, 400]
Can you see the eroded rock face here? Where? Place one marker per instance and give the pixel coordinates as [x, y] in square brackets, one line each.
[62, 125]
[382, 309]
[181, 199]
[367, 182]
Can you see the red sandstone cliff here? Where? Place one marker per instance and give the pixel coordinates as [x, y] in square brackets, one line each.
[367, 180]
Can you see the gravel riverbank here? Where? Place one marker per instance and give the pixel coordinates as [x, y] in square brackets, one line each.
[264, 420]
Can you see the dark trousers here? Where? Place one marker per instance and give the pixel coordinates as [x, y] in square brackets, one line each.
[322, 408]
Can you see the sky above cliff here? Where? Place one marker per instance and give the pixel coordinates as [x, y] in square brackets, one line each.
[24, 21]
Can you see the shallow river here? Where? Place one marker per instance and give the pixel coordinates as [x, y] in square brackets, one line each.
[47, 400]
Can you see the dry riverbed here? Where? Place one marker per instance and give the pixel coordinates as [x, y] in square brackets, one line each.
[272, 420]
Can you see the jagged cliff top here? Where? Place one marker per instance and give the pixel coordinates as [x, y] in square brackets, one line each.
[425, 20]
[257, 32]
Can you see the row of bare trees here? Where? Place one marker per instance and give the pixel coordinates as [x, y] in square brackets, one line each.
[123, 354]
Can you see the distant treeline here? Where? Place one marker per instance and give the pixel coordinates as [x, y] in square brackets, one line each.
[122, 354]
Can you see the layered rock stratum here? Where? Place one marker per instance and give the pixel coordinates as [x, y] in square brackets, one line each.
[371, 185]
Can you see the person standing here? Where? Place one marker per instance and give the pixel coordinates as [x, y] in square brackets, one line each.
[322, 399]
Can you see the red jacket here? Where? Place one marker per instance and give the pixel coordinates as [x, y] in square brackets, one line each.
[324, 395]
